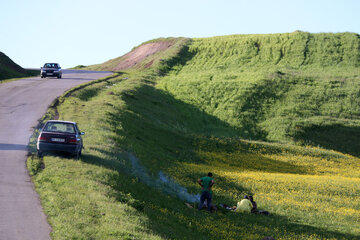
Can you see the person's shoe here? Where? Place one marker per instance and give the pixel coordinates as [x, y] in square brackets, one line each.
[189, 205]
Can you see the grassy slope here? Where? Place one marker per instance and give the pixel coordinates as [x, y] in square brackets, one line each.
[9, 69]
[310, 191]
[297, 86]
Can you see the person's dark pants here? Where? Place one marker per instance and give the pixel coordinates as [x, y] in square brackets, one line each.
[205, 196]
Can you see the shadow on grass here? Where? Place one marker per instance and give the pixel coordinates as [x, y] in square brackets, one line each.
[336, 137]
[241, 156]
[170, 217]
[164, 132]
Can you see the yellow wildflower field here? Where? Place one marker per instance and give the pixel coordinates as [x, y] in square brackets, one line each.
[306, 185]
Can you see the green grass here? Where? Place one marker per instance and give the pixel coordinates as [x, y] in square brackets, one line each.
[81, 67]
[29, 73]
[274, 87]
[10, 71]
[147, 117]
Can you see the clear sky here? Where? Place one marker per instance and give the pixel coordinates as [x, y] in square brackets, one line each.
[74, 32]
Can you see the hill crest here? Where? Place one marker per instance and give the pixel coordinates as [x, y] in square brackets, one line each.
[290, 50]
[9, 69]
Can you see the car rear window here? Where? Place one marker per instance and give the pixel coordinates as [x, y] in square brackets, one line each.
[59, 127]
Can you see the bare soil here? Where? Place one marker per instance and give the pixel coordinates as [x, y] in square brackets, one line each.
[139, 54]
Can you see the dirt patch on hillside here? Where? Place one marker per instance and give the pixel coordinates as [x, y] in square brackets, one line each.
[139, 54]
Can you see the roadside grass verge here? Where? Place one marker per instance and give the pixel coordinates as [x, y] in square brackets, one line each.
[29, 73]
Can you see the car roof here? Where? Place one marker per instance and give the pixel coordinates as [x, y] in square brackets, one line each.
[60, 121]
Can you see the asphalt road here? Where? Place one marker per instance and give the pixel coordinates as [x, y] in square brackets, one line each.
[22, 103]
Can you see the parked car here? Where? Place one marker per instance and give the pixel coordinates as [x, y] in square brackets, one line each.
[51, 69]
[60, 136]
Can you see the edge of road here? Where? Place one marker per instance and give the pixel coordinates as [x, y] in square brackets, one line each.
[38, 74]
[51, 113]
[19, 85]
[15, 79]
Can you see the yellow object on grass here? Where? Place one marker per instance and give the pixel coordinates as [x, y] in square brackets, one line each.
[244, 205]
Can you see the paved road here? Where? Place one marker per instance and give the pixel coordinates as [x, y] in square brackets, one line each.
[22, 103]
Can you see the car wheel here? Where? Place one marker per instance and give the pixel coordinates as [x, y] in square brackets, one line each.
[42, 76]
[78, 154]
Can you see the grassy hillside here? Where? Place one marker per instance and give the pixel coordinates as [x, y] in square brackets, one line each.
[146, 139]
[298, 86]
[9, 69]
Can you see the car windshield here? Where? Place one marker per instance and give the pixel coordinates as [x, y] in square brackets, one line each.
[50, 65]
[59, 127]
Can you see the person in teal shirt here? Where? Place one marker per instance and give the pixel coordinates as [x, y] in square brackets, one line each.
[206, 193]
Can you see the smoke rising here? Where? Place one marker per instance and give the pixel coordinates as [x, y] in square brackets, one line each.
[163, 182]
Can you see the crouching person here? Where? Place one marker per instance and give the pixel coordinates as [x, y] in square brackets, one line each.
[244, 205]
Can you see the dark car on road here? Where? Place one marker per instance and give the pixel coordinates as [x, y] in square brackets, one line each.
[51, 70]
[60, 136]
